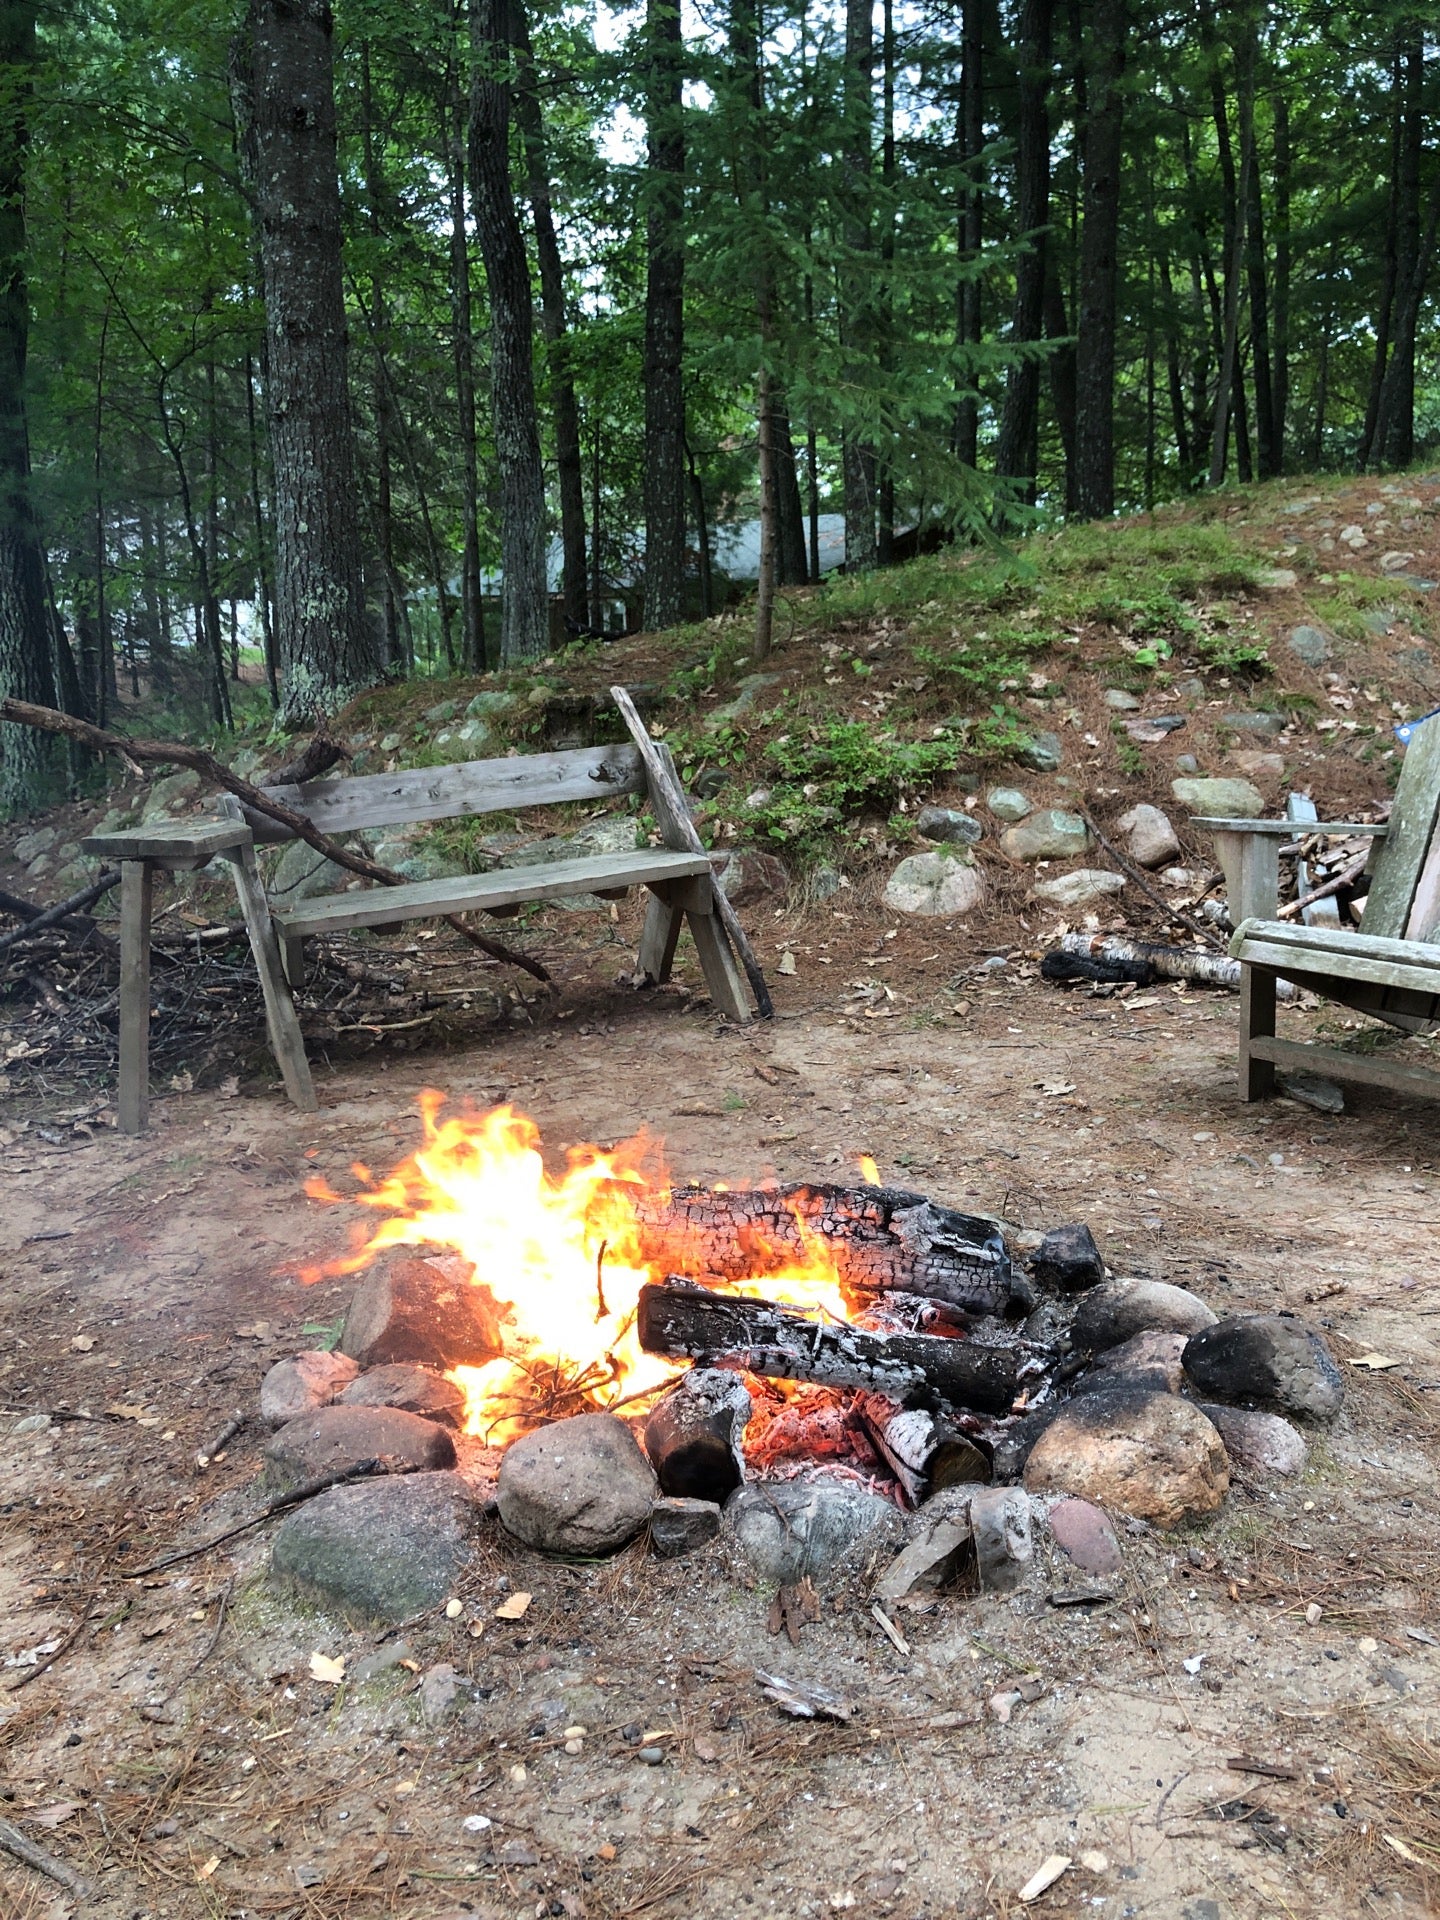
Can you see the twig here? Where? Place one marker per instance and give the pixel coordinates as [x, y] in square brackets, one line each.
[14, 1842]
[24, 1678]
[307, 1490]
[172, 753]
[27, 911]
[227, 1433]
[1343, 879]
[1142, 880]
[50, 916]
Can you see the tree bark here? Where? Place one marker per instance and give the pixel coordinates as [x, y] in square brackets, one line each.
[1394, 440]
[524, 604]
[664, 318]
[1258, 279]
[791, 568]
[285, 106]
[969, 317]
[32, 766]
[1016, 453]
[856, 328]
[1280, 316]
[564, 407]
[1385, 309]
[1227, 395]
[472, 613]
[1093, 473]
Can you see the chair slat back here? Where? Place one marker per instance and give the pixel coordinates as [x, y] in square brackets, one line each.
[1405, 891]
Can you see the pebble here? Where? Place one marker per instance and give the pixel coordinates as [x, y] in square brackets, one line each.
[653, 1756]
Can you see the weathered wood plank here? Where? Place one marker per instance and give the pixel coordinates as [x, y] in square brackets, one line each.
[1313, 964]
[1284, 829]
[287, 1043]
[174, 844]
[1300, 808]
[1412, 830]
[136, 884]
[1325, 940]
[467, 787]
[1370, 1070]
[505, 886]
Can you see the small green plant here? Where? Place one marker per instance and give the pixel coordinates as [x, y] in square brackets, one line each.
[324, 1336]
[1132, 760]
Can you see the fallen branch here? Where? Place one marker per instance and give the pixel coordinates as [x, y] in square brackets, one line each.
[1172, 963]
[1342, 879]
[13, 1842]
[52, 916]
[172, 753]
[1142, 880]
[297, 1496]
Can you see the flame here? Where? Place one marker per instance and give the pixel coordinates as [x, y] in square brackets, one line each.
[562, 1254]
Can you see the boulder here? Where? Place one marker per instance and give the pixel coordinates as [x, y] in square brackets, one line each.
[1150, 839]
[421, 1308]
[1042, 753]
[1084, 1534]
[412, 1389]
[1261, 1443]
[1051, 834]
[1079, 888]
[680, 1526]
[1266, 1357]
[1220, 799]
[1151, 1455]
[1113, 1312]
[301, 873]
[299, 1386]
[748, 692]
[937, 885]
[1009, 803]
[168, 795]
[389, 1548]
[40, 840]
[333, 1441]
[580, 1487]
[1000, 1527]
[1145, 1363]
[787, 1529]
[1068, 1259]
[949, 826]
[749, 876]
[1309, 645]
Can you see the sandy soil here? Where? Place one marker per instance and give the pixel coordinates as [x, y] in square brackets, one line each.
[180, 1754]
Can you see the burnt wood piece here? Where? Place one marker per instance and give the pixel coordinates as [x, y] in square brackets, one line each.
[688, 1321]
[693, 1435]
[923, 1451]
[884, 1240]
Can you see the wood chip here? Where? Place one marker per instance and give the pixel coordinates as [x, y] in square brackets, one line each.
[888, 1627]
[515, 1608]
[804, 1701]
[1044, 1877]
[1245, 1763]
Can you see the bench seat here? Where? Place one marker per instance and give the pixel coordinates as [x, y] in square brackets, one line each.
[503, 887]
[1294, 951]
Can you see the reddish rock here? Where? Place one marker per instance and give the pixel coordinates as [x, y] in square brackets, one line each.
[1152, 1455]
[411, 1389]
[303, 1384]
[426, 1308]
[1085, 1536]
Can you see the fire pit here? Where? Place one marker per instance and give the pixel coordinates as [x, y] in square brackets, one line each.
[863, 1339]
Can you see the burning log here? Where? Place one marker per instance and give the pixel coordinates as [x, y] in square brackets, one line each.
[923, 1451]
[687, 1321]
[693, 1435]
[884, 1241]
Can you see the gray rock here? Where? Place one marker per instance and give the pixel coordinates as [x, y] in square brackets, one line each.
[949, 826]
[1271, 723]
[679, 1526]
[1012, 1441]
[825, 883]
[1121, 1308]
[1051, 834]
[1220, 799]
[1309, 645]
[787, 1529]
[438, 1691]
[389, 1548]
[1257, 766]
[748, 691]
[1259, 1442]
[1000, 1525]
[1151, 1455]
[1043, 753]
[1326, 1096]
[1080, 887]
[938, 1543]
[301, 873]
[1145, 1363]
[1186, 763]
[296, 1387]
[384, 1659]
[579, 1487]
[335, 1440]
[1277, 578]
[31, 845]
[1009, 803]
[1067, 1258]
[936, 885]
[421, 1308]
[1379, 621]
[1119, 701]
[442, 711]
[1152, 728]
[410, 1388]
[1151, 840]
[1268, 1357]
[168, 795]
[748, 876]
[76, 874]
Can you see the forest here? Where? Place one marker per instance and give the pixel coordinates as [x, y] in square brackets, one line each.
[389, 341]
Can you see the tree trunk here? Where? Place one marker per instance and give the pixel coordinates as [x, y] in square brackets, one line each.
[1174, 380]
[392, 651]
[1093, 491]
[885, 303]
[564, 407]
[1280, 317]
[597, 572]
[1394, 441]
[856, 327]
[1227, 396]
[969, 318]
[31, 763]
[472, 612]
[1257, 277]
[524, 603]
[791, 569]
[702, 536]
[157, 639]
[1390, 271]
[285, 106]
[262, 567]
[1016, 453]
[664, 318]
[769, 510]
[1062, 362]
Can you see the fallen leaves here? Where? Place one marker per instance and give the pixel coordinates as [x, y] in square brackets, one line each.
[515, 1608]
[1375, 1362]
[327, 1671]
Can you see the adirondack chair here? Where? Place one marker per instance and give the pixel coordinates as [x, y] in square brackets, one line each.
[1389, 969]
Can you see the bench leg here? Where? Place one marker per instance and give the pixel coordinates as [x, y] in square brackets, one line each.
[1257, 1021]
[286, 1041]
[722, 976]
[658, 937]
[292, 958]
[136, 882]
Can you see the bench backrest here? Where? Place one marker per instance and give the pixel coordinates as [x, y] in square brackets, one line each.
[1404, 898]
[457, 791]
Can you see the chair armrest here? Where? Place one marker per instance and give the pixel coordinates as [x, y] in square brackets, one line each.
[1293, 829]
[174, 845]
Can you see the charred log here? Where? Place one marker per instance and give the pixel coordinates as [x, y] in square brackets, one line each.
[693, 1435]
[884, 1240]
[923, 1451]
[687, 1321]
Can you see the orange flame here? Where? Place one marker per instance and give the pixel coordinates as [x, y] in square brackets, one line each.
[563, 1254]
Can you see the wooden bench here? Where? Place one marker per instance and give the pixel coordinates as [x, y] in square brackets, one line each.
[1389, 969]
[678, 878]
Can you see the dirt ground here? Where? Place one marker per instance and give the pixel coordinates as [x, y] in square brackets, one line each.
[179, 1754]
